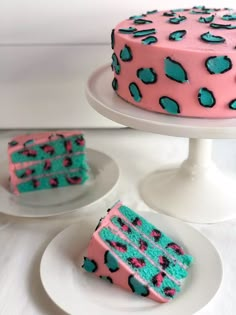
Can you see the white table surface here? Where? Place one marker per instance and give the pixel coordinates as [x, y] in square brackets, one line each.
[23, 241]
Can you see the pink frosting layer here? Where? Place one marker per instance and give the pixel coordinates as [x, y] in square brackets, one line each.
[96, 251]
[191, 52]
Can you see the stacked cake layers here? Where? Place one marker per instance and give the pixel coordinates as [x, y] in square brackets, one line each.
[130, 252]
[46, 160]
[177, 61]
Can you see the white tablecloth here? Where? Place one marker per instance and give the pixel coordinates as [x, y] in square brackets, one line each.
[23, 241]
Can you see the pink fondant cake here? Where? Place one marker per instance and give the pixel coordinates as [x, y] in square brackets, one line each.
[47, 160]
[128, 251]
[180, 62]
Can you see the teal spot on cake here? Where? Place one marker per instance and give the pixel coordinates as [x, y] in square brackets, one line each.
[126, 54]
[206, 98]
[113, 39]
[229, 17]
[218, 64]
[135, 17]
[89, 265]
[142, 33]
[202, 11]
[232, 104]
[135, 92]
[207, 19]
[219, 26]
[107, 279]
[169, 14]
[137, 287]
[142, 21]
[175, 71]
[147, 75]
[115, 84]
[149, 40]
[111, 262]
[115, 64]
[210, 38]
[12, 143]
[177, 35]
[177, 20]
[128, 30]
[152, 12]
[169, 105]
[29, 142]
[178, 10]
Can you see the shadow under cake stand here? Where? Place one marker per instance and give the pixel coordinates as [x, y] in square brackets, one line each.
[197, 191]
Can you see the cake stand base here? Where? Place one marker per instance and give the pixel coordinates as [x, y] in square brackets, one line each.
[197, 191]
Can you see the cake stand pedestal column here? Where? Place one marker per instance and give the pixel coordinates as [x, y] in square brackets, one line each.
[197, 191]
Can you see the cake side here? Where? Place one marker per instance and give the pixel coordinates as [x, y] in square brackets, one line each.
[161, 274]
[153, 62]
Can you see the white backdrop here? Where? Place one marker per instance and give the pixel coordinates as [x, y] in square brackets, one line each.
[76, 21]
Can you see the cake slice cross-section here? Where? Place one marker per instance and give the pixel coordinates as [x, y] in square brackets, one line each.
[47, 160]
[128, 251]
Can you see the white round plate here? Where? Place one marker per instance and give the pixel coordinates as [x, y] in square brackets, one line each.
[105, 101]
[77, 292]
[104, 174]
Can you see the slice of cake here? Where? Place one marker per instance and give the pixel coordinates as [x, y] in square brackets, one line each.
[47, 160]
[129, 251]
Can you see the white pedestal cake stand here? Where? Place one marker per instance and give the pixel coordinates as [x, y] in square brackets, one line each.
[197, 191]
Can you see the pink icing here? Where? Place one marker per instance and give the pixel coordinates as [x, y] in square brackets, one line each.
[191, 52]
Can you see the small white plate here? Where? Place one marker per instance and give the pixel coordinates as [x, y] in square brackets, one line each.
[77, 292]
[104, 174]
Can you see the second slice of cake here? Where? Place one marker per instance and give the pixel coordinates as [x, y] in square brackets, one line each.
[130, 252]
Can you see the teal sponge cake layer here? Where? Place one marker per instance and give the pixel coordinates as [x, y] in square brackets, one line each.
[47, 160]
[133, 254]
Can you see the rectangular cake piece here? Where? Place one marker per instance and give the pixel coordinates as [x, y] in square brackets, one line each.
[130, 252]
[47, 160]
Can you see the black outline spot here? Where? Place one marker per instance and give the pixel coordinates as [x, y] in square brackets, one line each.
[177, 20]
[133, 289]
[35, 183]
[106, 262]
[68, 161]
[172, 35]
[113, 38]
[208, 91]
[134, 17]
[115, 64]
[140, 260]
[166, 289]
[229, 17]
[128, 30]
[184, 71]
[114, 84]
[152, 71]
[142, 21]
[167, 97]
[149, 37]
[207, 19]
[152, 12]
[93, 261]
[12, 143]
[230, 104]
[131, 93]
[220, 41]
[141, 33]
[218, 26]
[165, 263]
[129, 52]
[169, 14]
[54, 185]
[212, 57]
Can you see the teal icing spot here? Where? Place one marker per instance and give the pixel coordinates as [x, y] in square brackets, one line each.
[142, 33]
[113, 39]
[28, 142]
[169, 14]
[205, 11]
[229, 17]
[137, 287]
[12, 143]
[175, 71]
[149, 40]
[207, 19]
[126, 54]
[232, 104]
[115, 84]
[177, 20]
[198, 7]
[222, 26]
[147, 75]
[206, 97]
[152, 12]
[178, 10]
[111, 262]
[170, 105]
[209, 38]
[142, 21]
[115, 64]
[89, 265]
[135, 17]
[218, 64]
[128, 30]
[177, 35]
[135, 92]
